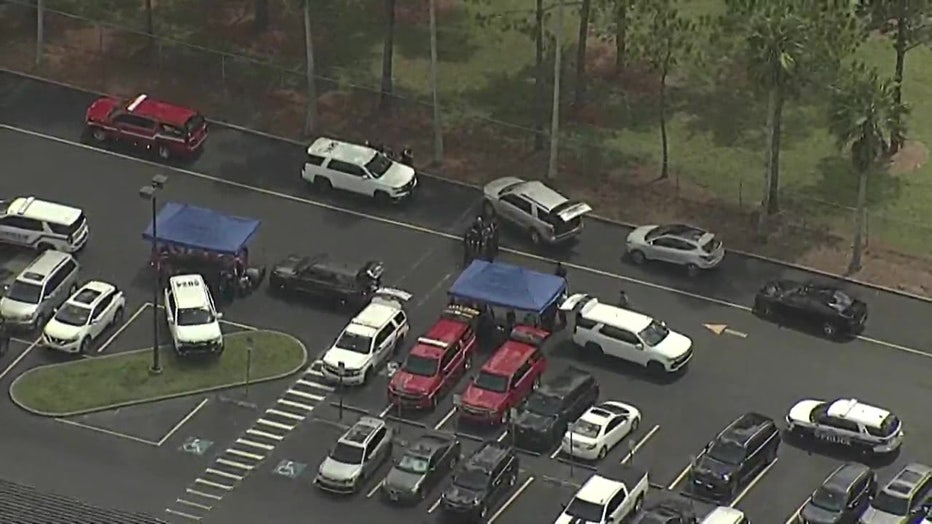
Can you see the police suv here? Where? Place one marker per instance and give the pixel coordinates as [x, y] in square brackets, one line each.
[332, 164]
[30, 222]
[193, 320]
[847, 422]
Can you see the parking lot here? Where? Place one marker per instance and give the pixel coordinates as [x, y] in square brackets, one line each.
[750, 365]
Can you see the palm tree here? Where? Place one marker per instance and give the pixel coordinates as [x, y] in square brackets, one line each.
[581, 44]
[310, 117]
[863, 111]
[388, 52]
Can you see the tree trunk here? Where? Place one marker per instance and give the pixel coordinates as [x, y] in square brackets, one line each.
[150, 25]
[902, 30]
[40, 31]
[539, 86]
[555, 109]
[621, 33]
[310, 117]
[438, 124]
[770, 200]
[388, 51]
[579, 97]
[260, 18]
[857, 248]
[664, 152]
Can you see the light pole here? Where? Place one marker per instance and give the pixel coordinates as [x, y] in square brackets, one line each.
[150, 192]
[342, 367]
[249, 347]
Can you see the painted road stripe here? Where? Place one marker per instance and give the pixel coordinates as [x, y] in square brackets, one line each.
[253, 456]
[234, 464]
[273, 424]
[182, 514]
[213, 484]
[202, 494]
[305, 395]
[286, 414]
[313, 384]
[257, 445]
[204, 507]
[295, 404]
[264, 434]
[315, 372]
[221, 473]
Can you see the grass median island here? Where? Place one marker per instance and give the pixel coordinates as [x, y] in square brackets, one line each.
[94, 384]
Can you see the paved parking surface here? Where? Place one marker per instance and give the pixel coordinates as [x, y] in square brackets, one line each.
[766, 370]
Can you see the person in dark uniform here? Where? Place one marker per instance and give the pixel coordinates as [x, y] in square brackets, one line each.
[4, 336]
[490, 233]
[472, 242]
[560, 271]
[622, 299]
[407, 157]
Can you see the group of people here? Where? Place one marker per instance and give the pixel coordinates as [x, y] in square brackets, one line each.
[406, 156]
[229, 275]
[481, 240]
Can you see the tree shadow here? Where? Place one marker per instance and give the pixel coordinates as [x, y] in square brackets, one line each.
[733, 117]
[838, 183]
[456, 44]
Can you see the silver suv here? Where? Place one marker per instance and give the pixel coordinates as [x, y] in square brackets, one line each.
[906, 498]
[677, 244]
[547, 216]
[36, 292]
[356, 456]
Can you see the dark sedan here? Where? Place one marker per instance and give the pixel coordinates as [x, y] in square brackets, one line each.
[807, 304]
[842, 498]
[422, 466]
[323, 278]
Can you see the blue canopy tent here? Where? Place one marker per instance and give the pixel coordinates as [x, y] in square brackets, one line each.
[508, 286]
[201, 228]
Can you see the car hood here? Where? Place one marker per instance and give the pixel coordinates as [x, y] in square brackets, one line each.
[199, 333]
[409, 382]
[875, 516]
[100, 109]
[397, 175]
[350, 359]
[567, 519]
[484, 399]
[802, 410]
[62, 331]
[403, 480]
[338, 470]
[812, 514]
[493, 188]
[639, 234]
[674, 346]
[460, 495]
[708, 467]
[534, 422]
[14, 308]
[287, 266]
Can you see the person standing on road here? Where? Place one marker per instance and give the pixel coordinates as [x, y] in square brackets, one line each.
[560, 271]
[622, 299]
[4, 336]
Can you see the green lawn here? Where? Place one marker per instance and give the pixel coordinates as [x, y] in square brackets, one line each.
[97, 383]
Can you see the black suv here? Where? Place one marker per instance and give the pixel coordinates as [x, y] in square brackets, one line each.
[668, 511]
[320, 277]
[421, 467]
[542, 419]
[740, 451]
[808, 304]
[842, 497]
[480, 481]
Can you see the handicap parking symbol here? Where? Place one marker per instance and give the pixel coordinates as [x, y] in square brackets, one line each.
[196, 445]
[290, 469]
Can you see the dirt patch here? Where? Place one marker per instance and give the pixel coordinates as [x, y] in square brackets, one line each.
[909, 158]
[417, 12]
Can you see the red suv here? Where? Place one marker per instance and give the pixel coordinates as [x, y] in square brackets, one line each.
[169, 130]
[438, 360]
[506, 379]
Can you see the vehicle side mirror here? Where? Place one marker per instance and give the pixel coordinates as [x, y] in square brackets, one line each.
[219, 315]
[639, 346]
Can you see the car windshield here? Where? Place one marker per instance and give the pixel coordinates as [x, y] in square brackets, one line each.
[472, 479]
[712, 245]
[491, 382]
[587, 429]
[193, 124]
[727, 452]
[379, 165]
[194, 316]
[355, 343]
[25, 292]
[889, 504]
[423, 366]
[346, 454]
[828, 499]
[586, 511]
[73, 315]
[413, 464]
[839, 301]
[541, 404]
[654, 333]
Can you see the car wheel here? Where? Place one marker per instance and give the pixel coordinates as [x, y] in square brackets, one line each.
[382, 198]
[367, 376]
[98, 135]
[656, 368]
[117, 316]
[638, 257]
[45, 247]
[829, 329]
[483, 512]
[763, 310]
[692, 270]
[772, 454]
[535, 237]
[164, 152]
[39, 322]
[634, 424]
[322, 184]
[592, 347]
[603, 452]
[84, 345]
[638, 504]
[488, 208]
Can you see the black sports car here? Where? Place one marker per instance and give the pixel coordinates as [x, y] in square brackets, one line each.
[321, 277]
[820, 306]
[422, 466]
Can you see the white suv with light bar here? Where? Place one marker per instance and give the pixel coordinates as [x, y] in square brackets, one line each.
[332, 164]
[84, 317]
[193, 320]
[43, 225]
[847, 422]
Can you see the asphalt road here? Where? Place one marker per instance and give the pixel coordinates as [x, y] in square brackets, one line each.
[765, 371]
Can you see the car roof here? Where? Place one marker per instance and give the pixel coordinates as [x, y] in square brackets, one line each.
[90, 293]
[598, 490]
[362, 430]
[374, 316]
[32, 207]
[428, 444]
[327, 264]
[615, 316]
[331, 148]
[683, 231]
[723, 514]
[487, 457]
[435, 342]
[851, 409]
[508, 357]
[539, 193]
[847, 474]
[190, 291]
[162, 111]
[908, 479]
[745, 427]
[601, 413]
[41, 268]
[564, 382]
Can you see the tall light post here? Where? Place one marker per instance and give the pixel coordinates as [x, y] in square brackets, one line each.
[150, 192]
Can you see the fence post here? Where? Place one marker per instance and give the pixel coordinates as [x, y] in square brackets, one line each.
[741, 193]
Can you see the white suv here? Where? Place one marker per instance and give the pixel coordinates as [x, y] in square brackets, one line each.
[624, 334]
[84, 317]
[369, 340]
[30, 222]
[193, 320]
[331, 164]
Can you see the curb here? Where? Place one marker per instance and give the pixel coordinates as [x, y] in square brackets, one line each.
[764, 258]
[160, 398]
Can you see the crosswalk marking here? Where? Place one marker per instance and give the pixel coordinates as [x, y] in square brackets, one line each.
[213, 484]
[182, 514]
[221, 473]
[273, 424]
[311, 396]
[315, 372]
[254, 444]
[202, 494]
[244, 454]
[293, 404]
[263, 434]
[234, 464]
[315, 385]
[286, 414]
[194, 504]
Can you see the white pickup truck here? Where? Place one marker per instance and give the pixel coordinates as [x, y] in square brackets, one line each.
[611, 496]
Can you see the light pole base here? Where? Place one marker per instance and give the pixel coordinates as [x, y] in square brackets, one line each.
[155, 370]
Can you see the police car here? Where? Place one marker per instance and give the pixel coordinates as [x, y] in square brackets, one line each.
[193, 319]
[847, 422]
[332, 164]
[30, 222]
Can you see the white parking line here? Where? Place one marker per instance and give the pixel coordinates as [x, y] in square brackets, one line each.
[197, 505]
[108, 432]
[511, 499]
[293, 404]
[433, 507]
[413, 227]
[258, 433]
[312, 384]
[502, 436]
[246, 327]
[121, 329]
[273, 424]
[445, 418]
[285, 414]
[183, 421]
[182, 514]
[375, 489]
[217, 485]
[751, 484]
[640, 443]
[316, 373]
[679, 478]
[253, 444]
[245, 454]
[234, 464]
[21, 356]
[556, 452]
[302, 394]
[202, 494]
[795, 516]
[221, 473]
[386, 410]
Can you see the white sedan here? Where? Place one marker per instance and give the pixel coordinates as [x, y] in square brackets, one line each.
[600, 429]
[84, 317]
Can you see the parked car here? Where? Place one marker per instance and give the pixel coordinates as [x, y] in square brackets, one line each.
[824, 307]
[614, 494]
[842, 497]
[480, 482]
[43, 225]
[421, 468]
[437, 361]
[333, 164]
[906, 498]
[600, 429]
[668, 510]
[321, 277]
[677, 244]
[167, 129]
[193, 319]
[547, 216]
[542, 419]
[726, 515]
[742, 450]
[38, 289]
[506, 379]
[847, 423]
[93, 309]
[356, 456]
